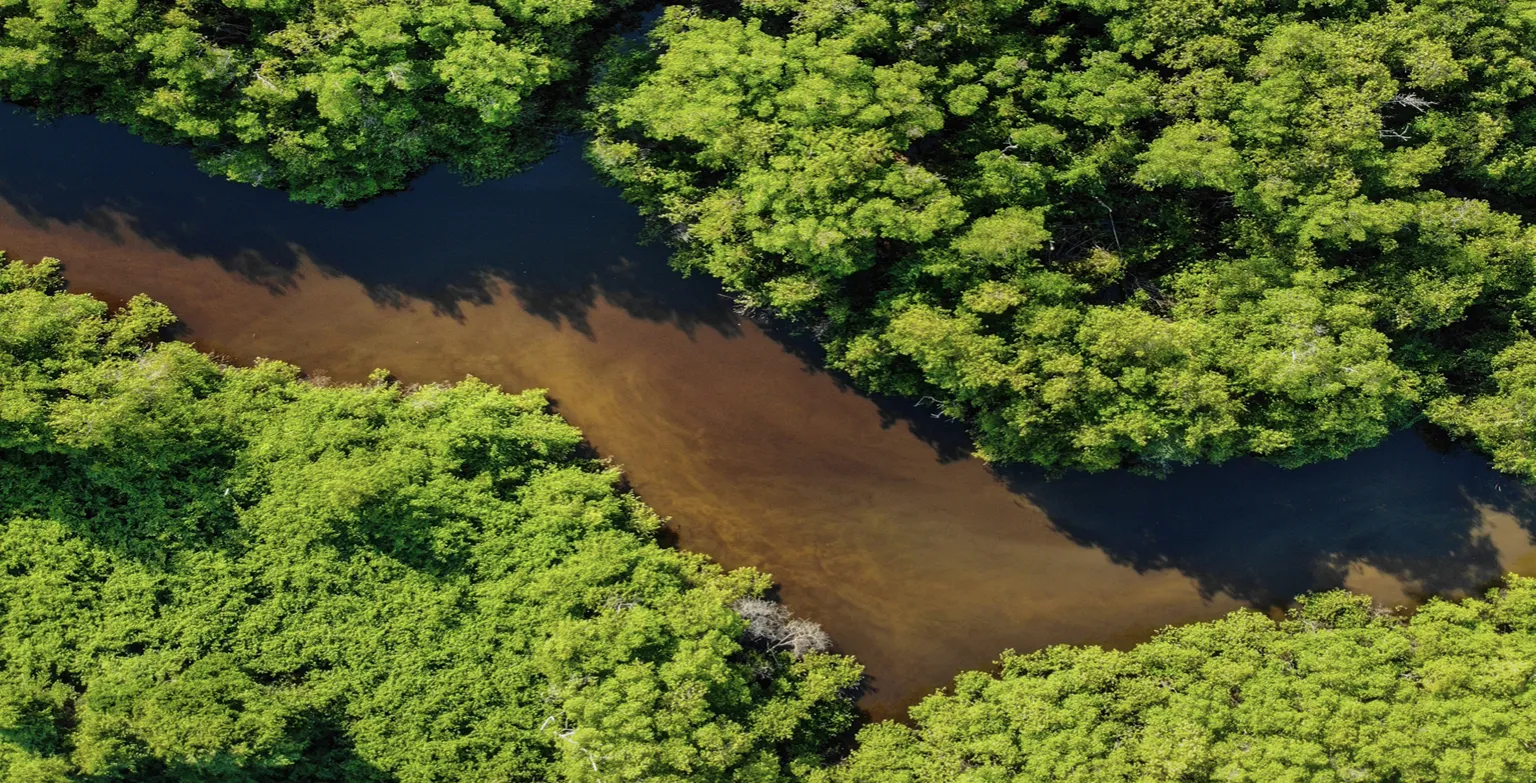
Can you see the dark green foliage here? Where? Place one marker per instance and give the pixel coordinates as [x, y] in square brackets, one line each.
[230, 574]
[1334, 693]
[336, 100]
[1114, 233]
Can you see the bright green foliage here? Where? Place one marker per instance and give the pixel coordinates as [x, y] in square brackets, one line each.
[1334, 693]
[230, 574]
[1113, 233]
[336, 100]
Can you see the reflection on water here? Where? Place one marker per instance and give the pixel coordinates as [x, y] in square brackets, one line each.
[916, 559]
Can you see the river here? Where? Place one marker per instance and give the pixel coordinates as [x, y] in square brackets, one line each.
[916, 558]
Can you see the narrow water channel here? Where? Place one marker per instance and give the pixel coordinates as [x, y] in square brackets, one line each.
[917, 559]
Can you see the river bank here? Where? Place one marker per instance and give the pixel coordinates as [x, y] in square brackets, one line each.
[918, 560]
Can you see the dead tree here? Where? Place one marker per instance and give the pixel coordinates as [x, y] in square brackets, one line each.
[770, 624]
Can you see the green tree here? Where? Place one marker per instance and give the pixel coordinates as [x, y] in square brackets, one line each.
[212, 573]
[1337, 691]
[1110, 234]
[335, 102]
[231, 574]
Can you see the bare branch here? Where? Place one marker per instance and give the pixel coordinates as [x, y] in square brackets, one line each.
[771, 624]
[1411, 101]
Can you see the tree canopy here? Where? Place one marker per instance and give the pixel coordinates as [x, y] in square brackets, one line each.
[1336, 692]
[1112, 233]
[335, 101]
[1103, 233]
[214, 573]
[211, 573]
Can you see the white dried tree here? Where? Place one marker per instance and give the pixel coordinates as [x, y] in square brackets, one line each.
[771, 625]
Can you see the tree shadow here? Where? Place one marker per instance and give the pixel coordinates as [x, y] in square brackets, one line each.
[1264, 534]
[554, 236]
[325, 754]
[328, 756]
[949, 439]
[560, 242]
[1412, 508]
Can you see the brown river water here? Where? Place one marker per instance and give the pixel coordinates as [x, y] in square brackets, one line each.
[867, 511]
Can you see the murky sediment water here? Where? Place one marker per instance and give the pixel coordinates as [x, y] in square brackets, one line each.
[918, 560]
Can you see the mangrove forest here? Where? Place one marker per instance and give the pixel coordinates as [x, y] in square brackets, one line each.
[1090, 236]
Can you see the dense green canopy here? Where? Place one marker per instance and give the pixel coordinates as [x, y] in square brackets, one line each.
[336, 100]
[1113, 233]
[220, 574]
[1335, 693]
[1105, 233]
[229, 574]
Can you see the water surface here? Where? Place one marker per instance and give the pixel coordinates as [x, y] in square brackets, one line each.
[867, 512]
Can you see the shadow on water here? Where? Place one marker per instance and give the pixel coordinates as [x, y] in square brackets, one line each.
[1264, 534]
[897, 542]
[554, 233]
[947, 437]
[1412, 508]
